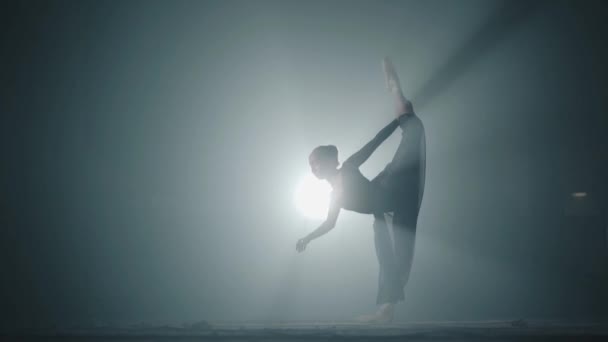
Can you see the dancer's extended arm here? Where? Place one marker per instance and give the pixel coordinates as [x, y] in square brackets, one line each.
[366, 151]
[326, 226]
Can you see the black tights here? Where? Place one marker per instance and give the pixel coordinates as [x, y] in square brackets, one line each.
[404, 177]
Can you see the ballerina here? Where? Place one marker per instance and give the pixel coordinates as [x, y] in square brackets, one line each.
[398, 189]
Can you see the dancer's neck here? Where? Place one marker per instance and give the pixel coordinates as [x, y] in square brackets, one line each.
[333, 178]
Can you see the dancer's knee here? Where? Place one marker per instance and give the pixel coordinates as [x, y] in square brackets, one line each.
[406, 219]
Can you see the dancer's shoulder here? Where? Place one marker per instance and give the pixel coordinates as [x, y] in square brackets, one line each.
[348, 166]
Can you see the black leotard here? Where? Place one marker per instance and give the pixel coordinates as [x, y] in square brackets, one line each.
[353, 191]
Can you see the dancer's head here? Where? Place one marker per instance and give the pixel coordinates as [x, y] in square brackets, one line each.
[323, 161]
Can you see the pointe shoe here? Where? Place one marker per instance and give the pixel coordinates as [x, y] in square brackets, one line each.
[390, 74]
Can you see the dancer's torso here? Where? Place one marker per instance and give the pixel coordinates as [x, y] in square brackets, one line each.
[354, 192]
[403, 183]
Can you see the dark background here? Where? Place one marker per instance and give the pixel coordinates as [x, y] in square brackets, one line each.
[150, 150]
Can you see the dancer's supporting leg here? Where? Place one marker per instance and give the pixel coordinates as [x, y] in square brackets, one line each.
[390, 290]
[389, 282]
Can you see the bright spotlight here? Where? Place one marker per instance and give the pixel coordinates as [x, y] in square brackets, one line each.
[312, 197]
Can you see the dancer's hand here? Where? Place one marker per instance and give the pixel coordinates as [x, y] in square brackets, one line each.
[301, 245]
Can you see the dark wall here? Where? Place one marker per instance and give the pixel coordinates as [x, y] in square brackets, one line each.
[141, 154]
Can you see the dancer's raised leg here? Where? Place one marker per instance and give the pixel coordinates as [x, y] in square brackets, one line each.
[404, 236]
[405, 169]
[405, 175]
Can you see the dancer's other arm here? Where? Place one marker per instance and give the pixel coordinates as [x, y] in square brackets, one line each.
[366, 151]
[326, 226]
